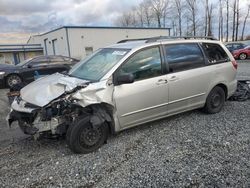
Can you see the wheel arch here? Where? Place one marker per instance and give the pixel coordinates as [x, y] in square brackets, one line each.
[103, 112]
[224, 87]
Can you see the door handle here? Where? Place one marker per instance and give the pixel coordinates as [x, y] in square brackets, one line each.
[173, 78]
[162, 81]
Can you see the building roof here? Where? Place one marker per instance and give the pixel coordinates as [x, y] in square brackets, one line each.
[103, 27]
[20, 47]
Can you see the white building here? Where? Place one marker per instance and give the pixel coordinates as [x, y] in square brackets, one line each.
[16, 53]
[78, 42]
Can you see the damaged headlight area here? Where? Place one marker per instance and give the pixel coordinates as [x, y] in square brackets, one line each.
[53, 118]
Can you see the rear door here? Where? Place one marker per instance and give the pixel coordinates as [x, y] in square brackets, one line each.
[146, 99]
[188, 76]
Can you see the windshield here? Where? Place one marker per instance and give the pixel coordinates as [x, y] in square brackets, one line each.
[23, 62]
[95, 67]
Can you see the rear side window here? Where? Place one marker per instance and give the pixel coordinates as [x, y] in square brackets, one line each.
[181, 57]
[215, 53]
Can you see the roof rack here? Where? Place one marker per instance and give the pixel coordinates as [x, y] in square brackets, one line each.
[129, 40]
[154, 39]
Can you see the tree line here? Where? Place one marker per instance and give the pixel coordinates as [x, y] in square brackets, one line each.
[224, 19]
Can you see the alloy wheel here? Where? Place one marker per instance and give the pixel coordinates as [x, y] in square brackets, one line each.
[13, 80]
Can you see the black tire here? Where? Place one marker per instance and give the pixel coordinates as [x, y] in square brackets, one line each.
[83, 138]
[215, 100]
[12, 80]
[242, 56]
[68, 133]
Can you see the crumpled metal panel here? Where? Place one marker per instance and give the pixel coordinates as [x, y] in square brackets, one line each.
[42, 91]
[95, 93]
[21, 107]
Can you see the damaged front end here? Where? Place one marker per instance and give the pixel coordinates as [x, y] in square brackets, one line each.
[47, 105]
[53, 118]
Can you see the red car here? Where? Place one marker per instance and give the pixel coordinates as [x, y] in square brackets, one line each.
[242, 53]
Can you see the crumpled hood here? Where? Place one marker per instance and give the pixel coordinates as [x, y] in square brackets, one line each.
[44, 90]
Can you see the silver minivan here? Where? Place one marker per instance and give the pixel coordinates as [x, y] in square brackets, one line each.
[125, 85]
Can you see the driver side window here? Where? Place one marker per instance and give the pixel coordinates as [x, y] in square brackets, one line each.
[144, 64]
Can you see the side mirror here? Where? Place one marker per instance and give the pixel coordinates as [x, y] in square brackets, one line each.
[29, 66]
[125, 79]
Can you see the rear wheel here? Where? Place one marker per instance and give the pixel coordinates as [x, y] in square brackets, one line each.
[13, 79]
[215, 100]
[82, 137]
[242, 56]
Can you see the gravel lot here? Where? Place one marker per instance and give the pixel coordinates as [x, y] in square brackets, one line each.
[188, 150]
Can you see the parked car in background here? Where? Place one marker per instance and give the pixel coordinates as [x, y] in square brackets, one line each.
[26, 70]
[242, 53]
[235, 46]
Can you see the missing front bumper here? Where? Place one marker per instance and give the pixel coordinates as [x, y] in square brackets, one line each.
[32, 124]
[24, 121]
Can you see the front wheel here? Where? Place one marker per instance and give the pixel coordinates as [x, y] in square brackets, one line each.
[12, 80]
[84, 138]
[215, 100]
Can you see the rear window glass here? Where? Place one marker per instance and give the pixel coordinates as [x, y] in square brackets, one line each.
[215, 53]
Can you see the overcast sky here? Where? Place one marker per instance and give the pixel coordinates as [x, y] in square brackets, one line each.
[21, 18]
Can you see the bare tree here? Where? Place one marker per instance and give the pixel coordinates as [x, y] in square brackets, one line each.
[244, 23]
[192, 8]
[127, 19]
[206, 17]
[140, 13]
[227, 20]
[174, 28]
[178, 6]
[234, 16]
[219, 22]
[220, 34]
[209, 20]
[222, 24]
[187, 20]
[145, 5]
[237, 20]
[159, 8]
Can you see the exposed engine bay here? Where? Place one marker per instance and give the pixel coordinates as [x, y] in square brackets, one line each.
[40, 115]
[55, 116]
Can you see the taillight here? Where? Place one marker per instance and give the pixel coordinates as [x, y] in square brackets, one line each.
[235, 64]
